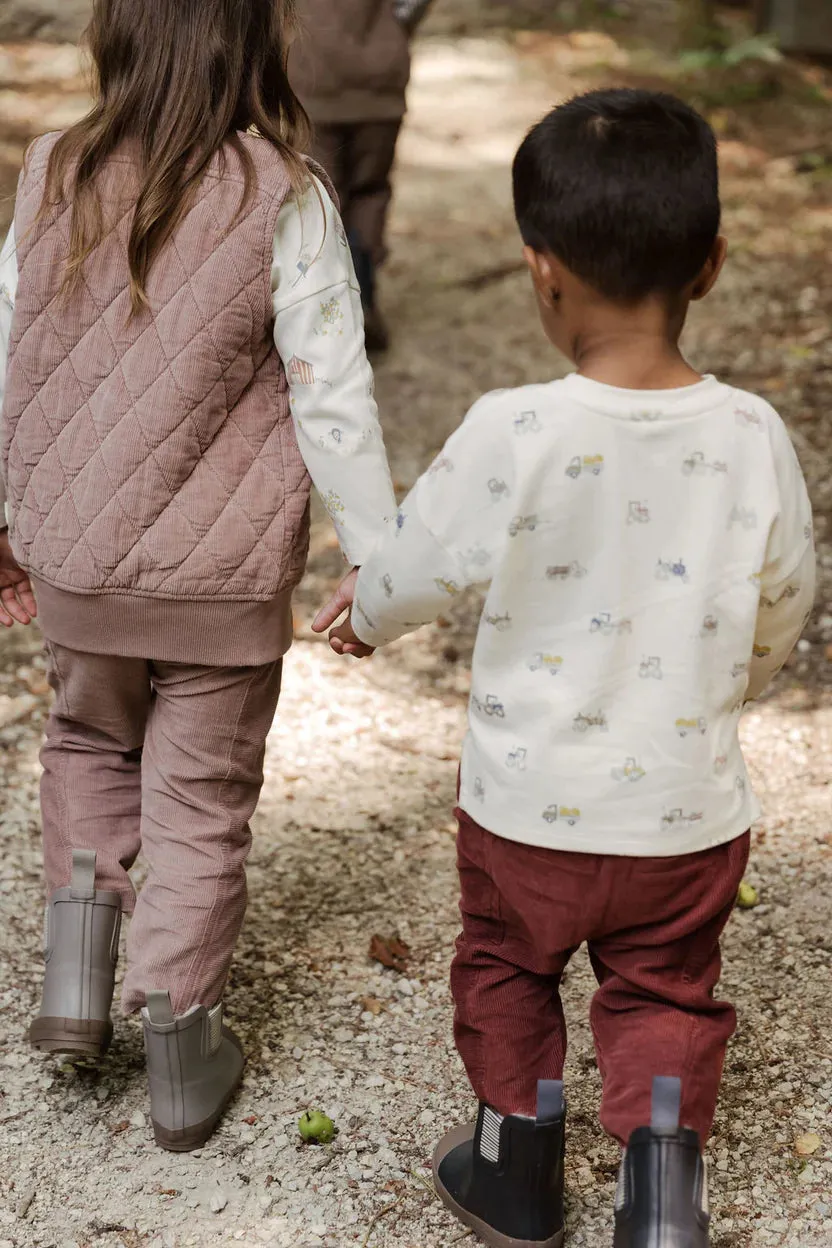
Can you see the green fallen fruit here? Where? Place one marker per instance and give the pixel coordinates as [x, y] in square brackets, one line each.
[747, 896]
[316, 1128]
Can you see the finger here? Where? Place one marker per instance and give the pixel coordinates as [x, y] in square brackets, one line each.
[6, 620]
[358, 650]
[336, 643]
[26, 596]
[13, 607]
[330, 612]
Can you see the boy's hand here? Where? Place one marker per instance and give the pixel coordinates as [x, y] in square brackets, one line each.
[342, 639]
[17, 600]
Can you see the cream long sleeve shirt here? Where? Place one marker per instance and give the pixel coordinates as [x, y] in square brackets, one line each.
[649, 566]
[319, 334]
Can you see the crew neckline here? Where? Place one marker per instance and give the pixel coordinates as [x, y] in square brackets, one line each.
[639, 405]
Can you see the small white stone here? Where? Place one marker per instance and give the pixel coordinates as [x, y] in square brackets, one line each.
[137, 1119]
[218, 1201]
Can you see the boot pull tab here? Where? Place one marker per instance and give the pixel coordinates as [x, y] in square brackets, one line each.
[82, 881]
[549, 1100]
[667, 1103]
[159, 1009]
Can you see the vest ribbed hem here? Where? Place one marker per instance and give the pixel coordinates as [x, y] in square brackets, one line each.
[211, 634]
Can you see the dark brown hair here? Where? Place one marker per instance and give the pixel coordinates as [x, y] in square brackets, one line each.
[179, 79]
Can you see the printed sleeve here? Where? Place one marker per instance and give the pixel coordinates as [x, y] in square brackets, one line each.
[8, 293]
[787, 579]
[450, 532]
[319, 334]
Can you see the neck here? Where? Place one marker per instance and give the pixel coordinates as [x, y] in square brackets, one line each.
[633, 360]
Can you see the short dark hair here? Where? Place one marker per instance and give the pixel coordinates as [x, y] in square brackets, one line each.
[621, 186]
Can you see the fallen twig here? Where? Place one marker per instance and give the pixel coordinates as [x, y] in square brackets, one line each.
[382, 1213]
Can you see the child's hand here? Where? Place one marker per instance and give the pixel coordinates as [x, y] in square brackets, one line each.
[17, 600]
[342, 639]
[340, 602]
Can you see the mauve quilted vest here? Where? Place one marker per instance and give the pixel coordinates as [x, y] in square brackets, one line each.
[156, 456]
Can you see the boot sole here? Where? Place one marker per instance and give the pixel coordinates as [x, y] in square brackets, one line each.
[186, 1139]
[486, 1233]
[86, 1037]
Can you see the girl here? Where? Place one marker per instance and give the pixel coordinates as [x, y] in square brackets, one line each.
[185, 348]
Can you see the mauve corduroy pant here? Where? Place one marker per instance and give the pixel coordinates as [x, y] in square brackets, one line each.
[166, 758]
[652, 926]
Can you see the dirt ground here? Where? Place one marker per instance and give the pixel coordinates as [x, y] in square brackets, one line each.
[354, 834]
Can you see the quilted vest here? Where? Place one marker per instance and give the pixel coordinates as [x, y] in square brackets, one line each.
[154, 457]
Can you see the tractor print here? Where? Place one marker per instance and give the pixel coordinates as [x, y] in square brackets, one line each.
[739, 669]
[605, 624]
[744, 516]
[550, 663]
[748, 418]
[585, 463]
[386, 584]
[650, 669]
[637, 513]
[491, 706]
[720, 763]
[498, 489]
[400, 519]
[710, 626]
[333, 503]
[673, 817]
[685, 727]
[583, 723]
[631, 771]
[516, 759]
[791, 591]
[527, 422]
[563, 571]
[501, 622]
[443, 462]
[522, 524]
[668, 569]
[448, 587]
[479, 789]
[739, 785]
[761, 652]
[567, 814]
[697, 463]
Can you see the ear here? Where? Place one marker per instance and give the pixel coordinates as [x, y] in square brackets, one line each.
[706, 280]
[544, 274]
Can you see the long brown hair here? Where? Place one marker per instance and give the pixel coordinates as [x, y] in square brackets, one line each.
[180, 79]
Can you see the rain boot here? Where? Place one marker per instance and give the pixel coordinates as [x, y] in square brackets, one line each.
[662, 1198]
[194, 1065]
[81, 951]
[503, 1176]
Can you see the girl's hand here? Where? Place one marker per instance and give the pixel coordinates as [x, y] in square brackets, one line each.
[339, 603]
[17, 599]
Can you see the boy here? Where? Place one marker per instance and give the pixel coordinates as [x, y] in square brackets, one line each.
[646, 537]
[351, 67]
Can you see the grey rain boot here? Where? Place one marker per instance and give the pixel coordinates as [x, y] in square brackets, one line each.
[662, 1198]
[194, 1065]
[81, 951]
[503, 1177]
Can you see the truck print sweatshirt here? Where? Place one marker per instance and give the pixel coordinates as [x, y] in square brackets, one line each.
[649, 566]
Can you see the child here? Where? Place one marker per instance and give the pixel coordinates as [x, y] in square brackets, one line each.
[645, 535]
[184, 338]
[351, 66]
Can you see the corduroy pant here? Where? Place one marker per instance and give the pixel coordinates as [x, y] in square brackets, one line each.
[652, 926]
[359, 159]
[166, 758]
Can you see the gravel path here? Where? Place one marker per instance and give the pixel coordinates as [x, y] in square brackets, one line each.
[353, 837]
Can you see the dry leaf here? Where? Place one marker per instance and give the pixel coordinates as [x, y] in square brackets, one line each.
[808, 1144]
[390, 951]
[371, 1005]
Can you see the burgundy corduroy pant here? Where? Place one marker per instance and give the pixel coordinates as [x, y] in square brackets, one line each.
[166, 758]
[652, 926]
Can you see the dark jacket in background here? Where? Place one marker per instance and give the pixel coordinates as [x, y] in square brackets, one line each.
[350, 62]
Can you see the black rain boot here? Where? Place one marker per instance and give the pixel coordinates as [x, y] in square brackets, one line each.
[503, 1177]
[662, 1198]
[376, 336]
